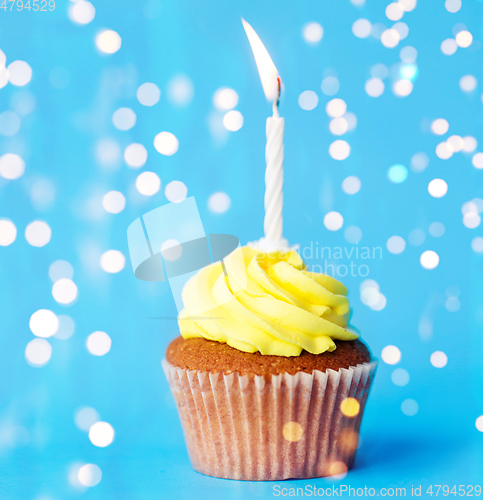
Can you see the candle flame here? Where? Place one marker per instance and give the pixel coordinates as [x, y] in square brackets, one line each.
[267, 70]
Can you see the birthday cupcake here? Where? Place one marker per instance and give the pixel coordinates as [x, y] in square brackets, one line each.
[269, 381]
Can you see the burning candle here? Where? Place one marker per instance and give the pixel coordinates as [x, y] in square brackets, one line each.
[273, 223]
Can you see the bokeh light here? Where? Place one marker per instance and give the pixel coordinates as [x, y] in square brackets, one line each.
[351, 120]
[408, 54]
[408, 5]
[439, 126]
[390, 38]
[171, 250]
[89, 475]
[81, 12]
[66, 327]
[12, 166]
[369, 296]
[453, 6]
[148, 94]
[416, 237]
[394, 11]
[351, 185]
[98, 343]
[439, 359]
[409, 407]
[337, 469]
[38, 352]
[408, 71]
[471, 220]
[400, 377]
[436, 229]
[380, 303]
[338, 126]
[336, 108]
[124, 118]
[333, 221]
[219, 203]
[85, 417]
[108, 153]
[468, 83]
[330, 85]
[180, 90]
[444, 151]
[43, 323]
[233, 120]
[353, 234]
[477, 244]
[397, 174]
[292, 431]
[61, 269]
[402, 29]
[3, 76]
[176, 191]
[464, 39]
[38, 233]
[308, 100]
[108, 41]
[225, 99]
[391, 355]
[9, 123]
[166, 143]
[374, 87]
[396, 244]
[339, 150]
[429, 259]
[361, 28]
[452, 304]
[148, 183]
[419, 162]
[101, 434]
[477, 160]
[479, 423]
[112, 261]
[437, 188]
[64, 291]
[469, 144]
[312, 33]
[379, 71]
[456, 143]
[350, 407]
[402, 88]
[114, 202]
[19, 73]
[449, 46]
[135, 155]
[8, 232]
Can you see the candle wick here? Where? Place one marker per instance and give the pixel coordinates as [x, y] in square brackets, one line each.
[276, 101]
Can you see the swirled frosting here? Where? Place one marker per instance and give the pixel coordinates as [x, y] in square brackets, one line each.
[266, 302]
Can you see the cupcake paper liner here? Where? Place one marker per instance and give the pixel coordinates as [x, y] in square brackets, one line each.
[257, 429]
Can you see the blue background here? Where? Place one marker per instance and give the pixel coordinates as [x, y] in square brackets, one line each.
[39, 441]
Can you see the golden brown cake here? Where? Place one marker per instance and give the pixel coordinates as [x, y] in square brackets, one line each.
[209, 356]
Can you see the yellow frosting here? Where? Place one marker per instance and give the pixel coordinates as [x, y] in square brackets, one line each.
[265, 302]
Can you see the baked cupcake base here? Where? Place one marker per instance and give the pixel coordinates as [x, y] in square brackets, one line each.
[254, 425]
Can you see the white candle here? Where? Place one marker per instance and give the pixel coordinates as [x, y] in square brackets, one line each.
[271, 83]
[273, 224]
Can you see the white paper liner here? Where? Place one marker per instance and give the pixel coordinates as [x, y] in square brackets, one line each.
[234, 425]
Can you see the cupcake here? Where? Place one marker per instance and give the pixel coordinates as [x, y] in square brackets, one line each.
[269, 381]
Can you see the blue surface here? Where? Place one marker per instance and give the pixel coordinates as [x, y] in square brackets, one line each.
[39, 441]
